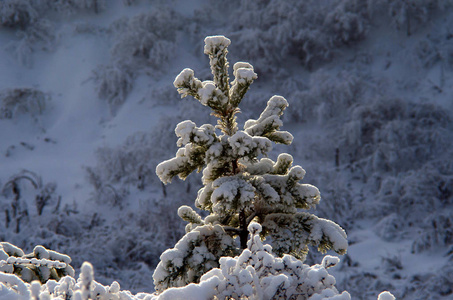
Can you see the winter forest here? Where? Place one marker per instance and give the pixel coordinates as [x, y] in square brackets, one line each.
[310, 157]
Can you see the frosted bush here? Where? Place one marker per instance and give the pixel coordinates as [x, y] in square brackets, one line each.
[144, 41]
[426, 284]
[125, 170]
[340, 205]
[132, 163]
[401, 152]
[143, 234]
[40, 36]
[22, 51]
[33, 30]
[161, 95]
[72, 6]
[423, 189]
[113, 83]
[147, 38]
[22, 101]
[308, 30]
[16, 208]
[437, 47]
[17, 13]
[345, 25]
[427, 225]
[437, 232]
[390, 227]
[328, 96]
[130, 255]
[393, 135]
[364, 284]
[412, 15]
[426, 53]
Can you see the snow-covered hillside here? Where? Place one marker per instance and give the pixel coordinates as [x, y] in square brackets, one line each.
[88, 109]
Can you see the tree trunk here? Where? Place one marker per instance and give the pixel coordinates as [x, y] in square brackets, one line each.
[164, 190]
[408, 21]
[243, 235]
[7, 217]
[337, 157]
[96, 8]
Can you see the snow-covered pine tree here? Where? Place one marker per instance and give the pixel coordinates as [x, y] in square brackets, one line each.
[241, 184]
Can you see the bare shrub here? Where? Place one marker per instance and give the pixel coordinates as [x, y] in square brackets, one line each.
[17, 212]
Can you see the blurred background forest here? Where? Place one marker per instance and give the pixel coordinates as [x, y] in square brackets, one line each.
[88, 109]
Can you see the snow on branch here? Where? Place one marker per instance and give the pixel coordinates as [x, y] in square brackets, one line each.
[269, 123]
[243, 77]
[293, 232]
[42, 264]
[216, 49]
[196, 253]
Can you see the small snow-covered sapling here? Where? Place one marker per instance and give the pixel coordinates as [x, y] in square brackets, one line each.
[241, 184]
